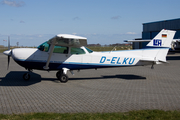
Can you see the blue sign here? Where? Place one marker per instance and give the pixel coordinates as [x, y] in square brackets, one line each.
[157, 42]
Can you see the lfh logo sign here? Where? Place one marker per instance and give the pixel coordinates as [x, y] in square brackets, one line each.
[157, 42]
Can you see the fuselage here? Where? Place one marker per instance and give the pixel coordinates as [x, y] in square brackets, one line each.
[34, 58]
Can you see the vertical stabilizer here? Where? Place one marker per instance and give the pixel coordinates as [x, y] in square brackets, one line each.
[163, 39]
[158, 47]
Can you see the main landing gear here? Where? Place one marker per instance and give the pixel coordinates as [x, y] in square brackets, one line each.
[61, 76]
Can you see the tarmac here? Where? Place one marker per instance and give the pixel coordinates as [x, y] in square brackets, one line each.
[91, 91]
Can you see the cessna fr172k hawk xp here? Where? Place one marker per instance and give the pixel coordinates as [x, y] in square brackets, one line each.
[67, 52]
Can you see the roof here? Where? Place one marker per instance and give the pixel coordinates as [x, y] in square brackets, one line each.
[162, 21]
[173, 24]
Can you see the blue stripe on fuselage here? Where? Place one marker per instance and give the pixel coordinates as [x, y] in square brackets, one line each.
[58, 66]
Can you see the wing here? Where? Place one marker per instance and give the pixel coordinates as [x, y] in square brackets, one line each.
[137, 40]
[68, 40]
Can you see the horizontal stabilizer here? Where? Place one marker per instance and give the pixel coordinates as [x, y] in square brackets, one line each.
[148, 60]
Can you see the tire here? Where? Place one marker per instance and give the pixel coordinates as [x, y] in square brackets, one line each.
[59, 73]
[26, 76]
[63, 78]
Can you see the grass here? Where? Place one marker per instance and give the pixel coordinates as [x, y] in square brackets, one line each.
[132, 115]
[109, 48]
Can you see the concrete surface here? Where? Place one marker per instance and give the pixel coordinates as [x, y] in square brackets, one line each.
[103, 90]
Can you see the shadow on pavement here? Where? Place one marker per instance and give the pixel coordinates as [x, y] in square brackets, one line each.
[173, 57]
[126, 77]
[15, 78]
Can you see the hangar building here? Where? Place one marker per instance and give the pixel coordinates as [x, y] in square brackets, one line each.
[150, 30]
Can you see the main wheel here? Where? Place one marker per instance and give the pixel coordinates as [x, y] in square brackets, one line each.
[63, 78]
[59, 73]
[26, 76]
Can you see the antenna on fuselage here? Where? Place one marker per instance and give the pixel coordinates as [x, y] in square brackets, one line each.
[114, 48]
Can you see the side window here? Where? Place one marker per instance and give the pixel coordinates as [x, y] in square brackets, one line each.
[44, 47]
[60, 49]
[77, 51]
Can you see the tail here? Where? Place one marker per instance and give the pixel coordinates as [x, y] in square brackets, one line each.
[157, 49]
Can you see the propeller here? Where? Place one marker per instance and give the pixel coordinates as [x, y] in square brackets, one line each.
[8, 61]
[10, 52]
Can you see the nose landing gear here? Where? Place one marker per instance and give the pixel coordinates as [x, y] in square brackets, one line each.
[27, 76]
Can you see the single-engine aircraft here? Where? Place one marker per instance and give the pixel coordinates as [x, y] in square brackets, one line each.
[66, 52]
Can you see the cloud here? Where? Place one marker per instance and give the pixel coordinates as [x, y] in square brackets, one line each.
[13, 3]
[22, 21]
[115, 17]
[76, 18]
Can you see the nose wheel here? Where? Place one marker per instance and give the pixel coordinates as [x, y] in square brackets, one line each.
[26, 76]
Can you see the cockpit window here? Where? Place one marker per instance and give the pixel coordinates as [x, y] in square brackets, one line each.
[44, 47]
[60, 49]
[89, 50]
[77, 51]
[57, 49]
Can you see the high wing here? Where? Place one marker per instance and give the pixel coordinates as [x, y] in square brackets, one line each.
[64, 40]
[137, 40]
[68, 40]
[174, 45]
[174, 40]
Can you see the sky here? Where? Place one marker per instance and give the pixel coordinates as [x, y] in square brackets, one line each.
[32, 22]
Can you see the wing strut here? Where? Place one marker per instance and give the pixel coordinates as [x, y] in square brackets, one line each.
[50, 54]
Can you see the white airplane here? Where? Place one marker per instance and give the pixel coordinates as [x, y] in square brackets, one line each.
[67, 52]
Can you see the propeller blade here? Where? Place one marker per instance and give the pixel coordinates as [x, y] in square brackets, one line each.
[8, 61]
[9, 52]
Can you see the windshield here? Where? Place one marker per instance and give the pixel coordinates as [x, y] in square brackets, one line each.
[44, 47]
[89, 50]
